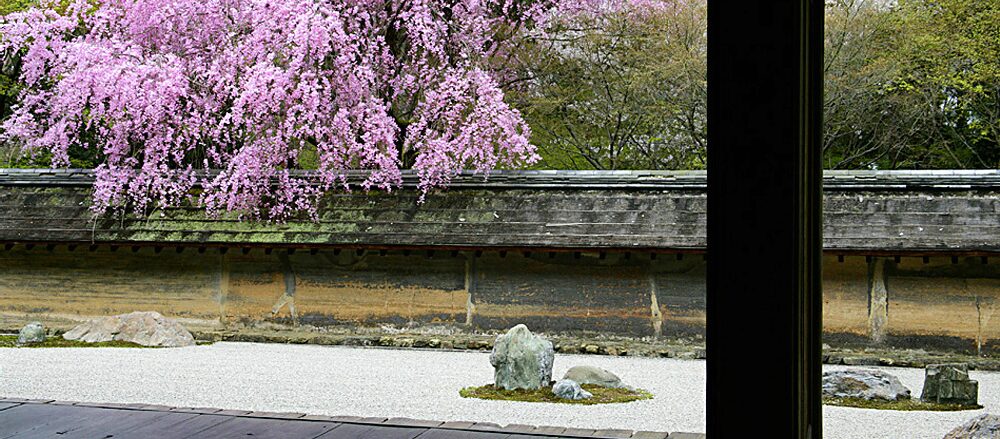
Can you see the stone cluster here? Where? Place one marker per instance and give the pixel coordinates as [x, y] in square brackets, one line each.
[864, 384]
[522, 360]
[949, 384]
[144, 328]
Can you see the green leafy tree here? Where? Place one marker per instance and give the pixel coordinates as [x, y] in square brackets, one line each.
[621, 91]
[912, 85]
[909, 85]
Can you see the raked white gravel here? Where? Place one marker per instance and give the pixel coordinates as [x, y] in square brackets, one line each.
[331, 380]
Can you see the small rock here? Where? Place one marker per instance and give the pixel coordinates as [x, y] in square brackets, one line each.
[984, 426]
[687, 356]
[569, 389]
[860, 361]
[949, 384]
[593, 375]
[591, 348]
[434, 343]
[446, 344]
[567, 349]
[522, 360]
[31, 333]
[864, 384]
[144, 328]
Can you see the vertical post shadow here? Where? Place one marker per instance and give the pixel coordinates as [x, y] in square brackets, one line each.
[765, 222]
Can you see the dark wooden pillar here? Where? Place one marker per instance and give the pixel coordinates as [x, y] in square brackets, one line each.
[764, 218]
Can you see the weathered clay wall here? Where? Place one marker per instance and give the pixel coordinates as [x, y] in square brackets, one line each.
[909, 302]
[68, 286]
[912, 302]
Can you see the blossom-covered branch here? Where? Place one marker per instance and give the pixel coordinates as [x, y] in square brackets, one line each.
[163, 88]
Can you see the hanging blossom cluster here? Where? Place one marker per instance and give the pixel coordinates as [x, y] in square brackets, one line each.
[164, 89]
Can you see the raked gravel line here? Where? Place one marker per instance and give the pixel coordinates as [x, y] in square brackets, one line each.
[334, 380]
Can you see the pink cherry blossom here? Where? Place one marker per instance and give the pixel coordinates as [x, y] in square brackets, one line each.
[164, 89]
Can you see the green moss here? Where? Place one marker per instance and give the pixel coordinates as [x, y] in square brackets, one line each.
[902, 405]
[10, 341]
[602, 395]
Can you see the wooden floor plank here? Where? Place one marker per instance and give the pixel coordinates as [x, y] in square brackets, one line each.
[363, 431]
[462, 434]
[154, 428]
[23, 420]
[457, 424]
[177, 426]
[519, 428]
[111, 423]
[267, 428]
[546, 429]
[35, 420]
[408, 422]
[23, 417]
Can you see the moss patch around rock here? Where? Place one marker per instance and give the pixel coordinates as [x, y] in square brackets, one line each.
[10, 341]
[902, 405]
[602, 395]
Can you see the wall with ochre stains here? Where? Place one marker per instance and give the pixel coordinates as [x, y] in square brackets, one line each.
[935, 302]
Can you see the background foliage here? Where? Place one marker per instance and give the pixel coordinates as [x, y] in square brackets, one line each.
[909, 85]
[913, 84]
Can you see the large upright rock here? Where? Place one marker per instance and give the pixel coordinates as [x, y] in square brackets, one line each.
[144, 328]
[984, 426]
[949, 384]
[31, 333]
[522, 360]
[864, 384]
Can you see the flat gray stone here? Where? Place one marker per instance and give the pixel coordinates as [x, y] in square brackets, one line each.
[984, 426]
[864, 384]
[31, 333]
[593, 375]
[522, 360]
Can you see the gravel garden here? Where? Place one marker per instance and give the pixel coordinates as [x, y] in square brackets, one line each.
[513, 384]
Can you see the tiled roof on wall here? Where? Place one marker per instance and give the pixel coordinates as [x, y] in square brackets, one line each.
[865, 211]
